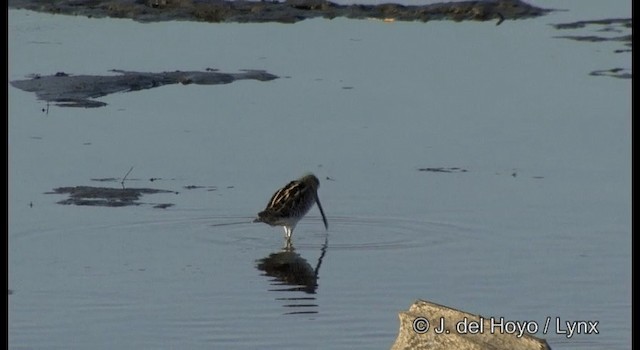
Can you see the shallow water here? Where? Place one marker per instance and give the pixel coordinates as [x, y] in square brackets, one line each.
[538, 226]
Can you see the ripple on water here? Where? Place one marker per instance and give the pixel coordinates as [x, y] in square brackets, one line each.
[345, 233]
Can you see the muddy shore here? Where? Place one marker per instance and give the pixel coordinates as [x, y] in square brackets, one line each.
[68, 90]
[289, 11]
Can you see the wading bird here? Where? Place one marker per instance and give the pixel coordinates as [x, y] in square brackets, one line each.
[291, 203]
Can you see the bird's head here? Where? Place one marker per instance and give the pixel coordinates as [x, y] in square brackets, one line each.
[310, 180]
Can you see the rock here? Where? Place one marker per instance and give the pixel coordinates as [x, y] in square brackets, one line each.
[461, 331]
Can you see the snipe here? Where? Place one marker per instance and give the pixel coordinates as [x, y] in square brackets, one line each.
[291, 203]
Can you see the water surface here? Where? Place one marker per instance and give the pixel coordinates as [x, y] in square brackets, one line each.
[538, 226]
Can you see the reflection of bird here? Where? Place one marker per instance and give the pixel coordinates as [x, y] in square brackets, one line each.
[291, 269]
[292, 202]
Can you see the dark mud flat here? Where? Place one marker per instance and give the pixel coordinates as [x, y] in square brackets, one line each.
[609, 30]
[444, 170]
[289, 11]
[612, 25]
[79, 90]
[609, 23]
[106, 196]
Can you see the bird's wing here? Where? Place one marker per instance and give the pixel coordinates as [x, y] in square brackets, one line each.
[287, 198]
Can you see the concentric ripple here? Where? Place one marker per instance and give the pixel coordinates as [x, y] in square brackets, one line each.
[345, 233]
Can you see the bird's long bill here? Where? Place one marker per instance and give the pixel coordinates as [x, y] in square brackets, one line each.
[324, 218]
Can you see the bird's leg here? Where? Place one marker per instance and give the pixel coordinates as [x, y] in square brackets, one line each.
[288, 231]
[288, 246]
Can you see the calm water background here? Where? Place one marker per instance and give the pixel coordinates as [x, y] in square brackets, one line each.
[538, 226]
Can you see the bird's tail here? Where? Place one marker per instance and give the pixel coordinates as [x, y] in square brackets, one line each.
[260, 217]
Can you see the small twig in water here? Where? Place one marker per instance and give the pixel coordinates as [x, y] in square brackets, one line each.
[501, 18]
[47, 109]
[125, 177]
